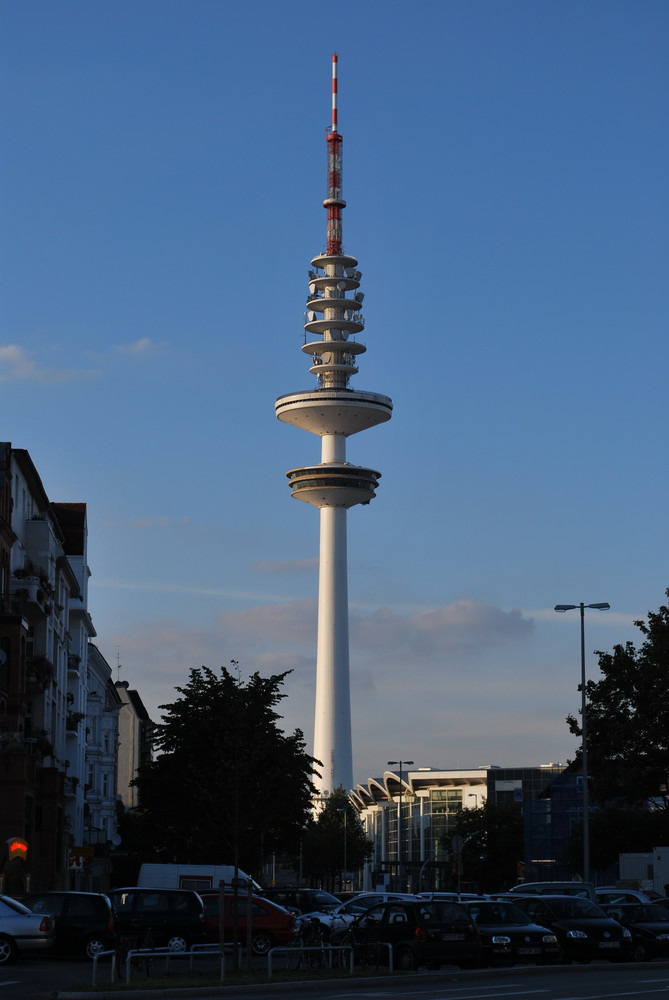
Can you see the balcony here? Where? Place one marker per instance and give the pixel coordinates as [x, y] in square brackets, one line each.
[39, 674]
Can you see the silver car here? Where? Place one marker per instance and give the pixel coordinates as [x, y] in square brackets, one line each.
[22, 931]
[335, 922]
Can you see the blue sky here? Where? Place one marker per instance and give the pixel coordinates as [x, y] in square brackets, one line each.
[505, 170]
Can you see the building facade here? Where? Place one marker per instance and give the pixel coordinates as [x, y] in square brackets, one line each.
[46, 682]
[135, 743]
[410, 818]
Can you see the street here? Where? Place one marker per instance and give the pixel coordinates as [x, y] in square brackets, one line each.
[599, 981]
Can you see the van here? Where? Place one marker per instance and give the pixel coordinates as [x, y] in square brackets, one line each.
[84, 920]
[196, 877]
[159, 918]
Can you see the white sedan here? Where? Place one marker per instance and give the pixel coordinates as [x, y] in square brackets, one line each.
[21, 930]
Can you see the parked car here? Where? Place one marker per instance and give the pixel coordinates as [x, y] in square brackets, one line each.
[509, 936]
[84, 921]
[335, 922]
[172, 918]
[301, 900]
[347, 894]
[649, 926]
[22, 931]
[582, 928]
[585, 889]
[450, 897]
[270, 924]
[420, 933]
[610, 894]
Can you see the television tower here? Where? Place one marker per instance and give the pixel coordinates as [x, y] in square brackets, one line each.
[333, 411]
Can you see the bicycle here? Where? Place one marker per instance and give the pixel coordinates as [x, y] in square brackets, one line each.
[134, 943]
[313, 935]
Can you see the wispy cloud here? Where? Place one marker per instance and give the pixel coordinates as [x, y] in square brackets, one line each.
[144, 347]
[19, 365]
[461, 627]
[409, 672]
[157, 522]
[285, 565]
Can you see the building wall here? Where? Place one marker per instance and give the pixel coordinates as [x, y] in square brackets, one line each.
[45, 629]
[135, 743]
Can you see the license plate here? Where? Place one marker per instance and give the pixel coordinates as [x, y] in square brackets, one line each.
[452, 937]
[529, 951]
[609, 944]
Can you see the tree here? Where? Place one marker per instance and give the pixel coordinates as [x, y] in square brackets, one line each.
[335, 842]
[628, 719]
[617, 831]
[228, 786]
[493, 845]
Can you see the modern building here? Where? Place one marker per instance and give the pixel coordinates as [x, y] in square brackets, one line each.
[410, 818]
[333, 411]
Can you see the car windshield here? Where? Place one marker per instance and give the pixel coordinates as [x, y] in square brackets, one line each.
[497, 913]
[575, 907]
[442, 912]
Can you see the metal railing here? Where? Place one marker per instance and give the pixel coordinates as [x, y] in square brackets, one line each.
[323, 949]
[131, 958]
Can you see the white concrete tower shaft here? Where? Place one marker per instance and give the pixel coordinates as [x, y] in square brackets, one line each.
[333, 411]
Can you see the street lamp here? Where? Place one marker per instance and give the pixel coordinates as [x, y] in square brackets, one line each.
[584, 732]
[400, 764]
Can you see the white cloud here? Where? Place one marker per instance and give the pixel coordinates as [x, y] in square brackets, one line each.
[17, 364]
[460, 627]
[461, 681]
[144, 347]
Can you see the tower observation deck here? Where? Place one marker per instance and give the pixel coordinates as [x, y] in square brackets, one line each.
[333, 411]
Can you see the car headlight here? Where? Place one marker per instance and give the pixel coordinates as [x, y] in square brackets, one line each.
[576, 934]
[662, 937]
[549, 939]
[501, 939]
[626, 933]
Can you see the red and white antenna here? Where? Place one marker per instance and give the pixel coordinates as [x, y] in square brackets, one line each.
[335, 59]
[334, 201]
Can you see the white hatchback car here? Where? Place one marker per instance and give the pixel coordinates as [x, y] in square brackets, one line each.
[335, 922]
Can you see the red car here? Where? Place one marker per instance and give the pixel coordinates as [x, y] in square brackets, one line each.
[271, 925]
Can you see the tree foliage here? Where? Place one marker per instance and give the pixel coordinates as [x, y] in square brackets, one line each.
[628, 719]
[617, 831]
[493, 846]
[227, 786]
[335, 842]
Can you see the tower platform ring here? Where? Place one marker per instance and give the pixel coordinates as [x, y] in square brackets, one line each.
[334, 411]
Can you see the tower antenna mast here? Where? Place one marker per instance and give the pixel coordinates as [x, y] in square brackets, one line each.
[334, 203]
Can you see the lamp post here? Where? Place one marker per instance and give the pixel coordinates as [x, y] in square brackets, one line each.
[344, 811]
[584, 732]
[400, 764]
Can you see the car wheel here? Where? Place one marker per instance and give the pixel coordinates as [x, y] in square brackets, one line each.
[177, 943]
[93, 946]
[639, 953]
[7, 949]
[404, 960]
[260, 942]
